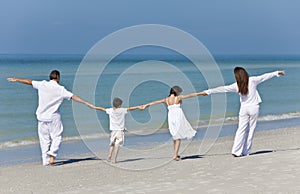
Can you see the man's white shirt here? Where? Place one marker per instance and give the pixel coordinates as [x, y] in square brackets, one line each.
[51, 95]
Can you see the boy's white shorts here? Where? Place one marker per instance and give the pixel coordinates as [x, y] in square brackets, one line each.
[117, 138]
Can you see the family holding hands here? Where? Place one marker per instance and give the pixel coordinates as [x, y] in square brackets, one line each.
[51, 95]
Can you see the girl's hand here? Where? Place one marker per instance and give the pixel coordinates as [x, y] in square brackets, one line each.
[202, 93]
[142, 107]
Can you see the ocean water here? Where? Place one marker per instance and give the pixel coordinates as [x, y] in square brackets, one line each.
[18, 125]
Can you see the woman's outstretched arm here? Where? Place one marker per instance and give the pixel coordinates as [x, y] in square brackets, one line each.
[266, 76]
[222, 89]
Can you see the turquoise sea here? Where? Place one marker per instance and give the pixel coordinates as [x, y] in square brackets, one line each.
[18, 125]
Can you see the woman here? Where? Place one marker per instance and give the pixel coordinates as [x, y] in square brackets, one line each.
[179, 127]
[249, 98]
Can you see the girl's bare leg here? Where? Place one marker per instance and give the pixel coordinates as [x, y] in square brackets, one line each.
[176, 149]
[174, 142]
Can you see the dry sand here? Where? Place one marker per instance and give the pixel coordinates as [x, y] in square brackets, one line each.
[274, 167]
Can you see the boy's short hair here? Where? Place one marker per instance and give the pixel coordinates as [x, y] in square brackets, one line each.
[117, 102]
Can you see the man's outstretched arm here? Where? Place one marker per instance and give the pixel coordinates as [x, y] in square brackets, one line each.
[20, 80]
[77, 99]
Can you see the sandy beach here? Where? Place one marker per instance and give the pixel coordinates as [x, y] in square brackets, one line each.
[272, 168]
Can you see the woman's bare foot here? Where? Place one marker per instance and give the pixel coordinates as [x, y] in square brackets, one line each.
[51, 161]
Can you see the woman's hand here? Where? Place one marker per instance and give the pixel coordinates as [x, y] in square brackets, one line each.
[281, 72]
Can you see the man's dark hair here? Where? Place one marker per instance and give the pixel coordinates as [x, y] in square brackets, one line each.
[117, 102]
[54, 75]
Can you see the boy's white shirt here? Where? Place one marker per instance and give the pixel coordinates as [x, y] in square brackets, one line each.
[116, 118]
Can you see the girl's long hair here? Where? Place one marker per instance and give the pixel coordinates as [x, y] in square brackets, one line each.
[176, 90]
[242, 79]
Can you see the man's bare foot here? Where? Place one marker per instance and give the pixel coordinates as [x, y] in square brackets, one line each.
[51, 161]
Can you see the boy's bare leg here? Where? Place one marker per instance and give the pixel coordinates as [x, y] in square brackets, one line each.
[111, 149]
[51, 161]
[176, 149]
[116, 153]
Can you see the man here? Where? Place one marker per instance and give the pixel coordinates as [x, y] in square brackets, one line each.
[50, 127]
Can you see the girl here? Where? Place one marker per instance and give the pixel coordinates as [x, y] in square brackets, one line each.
[179, 127]
[249, 109]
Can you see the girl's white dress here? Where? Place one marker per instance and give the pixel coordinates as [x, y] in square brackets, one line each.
[179, 126]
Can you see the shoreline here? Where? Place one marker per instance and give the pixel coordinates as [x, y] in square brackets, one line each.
[283, 122]
[31, 153]
[273, 167]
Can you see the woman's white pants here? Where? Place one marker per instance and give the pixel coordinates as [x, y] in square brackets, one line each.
[248, 116]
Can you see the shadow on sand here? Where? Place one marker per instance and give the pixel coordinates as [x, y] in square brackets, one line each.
[131, 160]
[70, 161]
[191, 157]
[262, 152]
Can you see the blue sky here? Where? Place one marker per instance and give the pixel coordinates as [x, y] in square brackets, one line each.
[223, 26]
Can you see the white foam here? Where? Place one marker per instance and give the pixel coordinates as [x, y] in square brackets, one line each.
[279, 117]
[228, 120]
[22, 142]
[269, 117]
[16, 143]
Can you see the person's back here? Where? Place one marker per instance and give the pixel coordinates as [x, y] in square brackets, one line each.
[173, 100]
[116, 126]
[253, 97]
[51, 95]
[50, 127]
[116, 118]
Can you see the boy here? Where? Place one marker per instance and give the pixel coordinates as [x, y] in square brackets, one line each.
[116, 125]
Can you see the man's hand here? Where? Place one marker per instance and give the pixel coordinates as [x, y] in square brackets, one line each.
[20, 80]
[12, 79]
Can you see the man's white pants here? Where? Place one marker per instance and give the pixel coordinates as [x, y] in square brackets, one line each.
[50, 135]
[243, 138]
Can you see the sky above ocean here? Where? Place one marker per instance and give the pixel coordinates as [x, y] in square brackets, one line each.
[224, 27]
